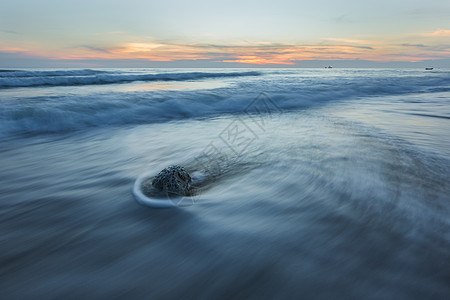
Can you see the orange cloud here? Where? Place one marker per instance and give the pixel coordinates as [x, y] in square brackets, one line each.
[262, 53]
[251, 53]
[140, 47]
[258, 60]
[12, 49]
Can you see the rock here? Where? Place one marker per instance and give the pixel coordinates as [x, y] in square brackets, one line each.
[174, 179]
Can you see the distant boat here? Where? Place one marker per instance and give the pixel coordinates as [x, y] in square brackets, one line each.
[428, 69]
[329, 67]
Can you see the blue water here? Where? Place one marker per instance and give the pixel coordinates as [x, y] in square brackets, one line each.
[321, 183]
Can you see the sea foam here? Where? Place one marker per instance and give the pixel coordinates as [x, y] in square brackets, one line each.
[90, 77]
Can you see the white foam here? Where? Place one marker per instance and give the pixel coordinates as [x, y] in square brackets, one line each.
[148, 201]
[90, 77]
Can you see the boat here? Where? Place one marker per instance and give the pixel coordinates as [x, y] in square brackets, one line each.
[428, 69]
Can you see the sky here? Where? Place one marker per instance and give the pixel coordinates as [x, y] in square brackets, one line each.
[244, 33]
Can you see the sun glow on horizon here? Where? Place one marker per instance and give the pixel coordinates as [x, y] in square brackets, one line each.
[267, 53]
[235, 32]
[413, 48]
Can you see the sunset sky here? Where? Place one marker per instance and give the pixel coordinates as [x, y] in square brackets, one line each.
[112, 33]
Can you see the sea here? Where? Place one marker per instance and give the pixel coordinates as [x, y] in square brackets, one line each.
[311, 183]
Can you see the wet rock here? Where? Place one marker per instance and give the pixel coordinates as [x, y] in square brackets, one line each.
[174, 179]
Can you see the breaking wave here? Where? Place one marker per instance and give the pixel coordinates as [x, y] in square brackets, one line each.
[12, 78]
[68, 112]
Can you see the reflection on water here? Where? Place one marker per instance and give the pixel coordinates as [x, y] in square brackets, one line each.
[425, 123]
[172, 86]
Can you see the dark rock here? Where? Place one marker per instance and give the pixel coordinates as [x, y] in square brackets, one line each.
[174, 179]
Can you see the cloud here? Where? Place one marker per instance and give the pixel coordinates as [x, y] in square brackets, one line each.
[12, 49]
[9, 31]
[438, 33]
[246, 52]
[349, 41]
[343, 18]
[413, 45]
[94, 48]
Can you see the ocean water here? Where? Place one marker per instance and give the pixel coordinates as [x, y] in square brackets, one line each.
[316, 183]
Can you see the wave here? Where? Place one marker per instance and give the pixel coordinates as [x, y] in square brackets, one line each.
[52, 73]
[430, 116]
[69, 112]
[93, 77]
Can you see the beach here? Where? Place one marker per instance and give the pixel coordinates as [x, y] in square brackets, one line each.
[322, 183]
